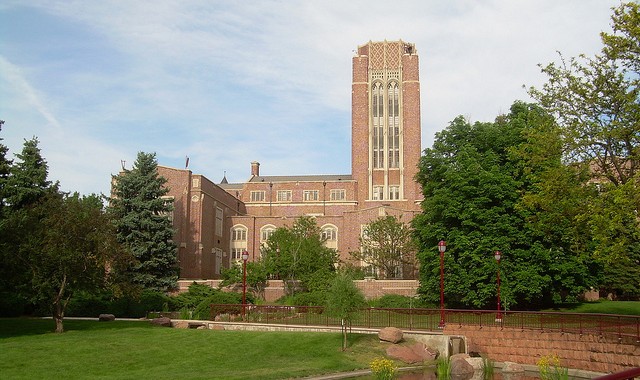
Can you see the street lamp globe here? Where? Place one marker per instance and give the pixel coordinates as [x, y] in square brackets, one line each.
[497, 255]
[442, 246]
[245, 255]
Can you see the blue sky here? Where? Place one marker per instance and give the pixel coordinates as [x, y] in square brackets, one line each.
[230, 82]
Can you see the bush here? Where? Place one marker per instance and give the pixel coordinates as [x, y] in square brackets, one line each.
[396, 301]
[84, 304]
[317, 298]
[12, 305]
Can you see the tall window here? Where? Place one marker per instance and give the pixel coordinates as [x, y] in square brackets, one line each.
[337, 195]
[238, 242]
[377, 102]
[393, 133]
[219, 221]
[329, 234]
[257, 196]
[310, 195]
[284, 195]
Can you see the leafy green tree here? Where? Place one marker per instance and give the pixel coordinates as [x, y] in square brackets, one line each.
[140, 214]
[388, 247]
[596, 102]
[5, 169]
[298, 254]
[71, 248]
[257, 277]
[24, 186]
[344, 301]
[473, 181]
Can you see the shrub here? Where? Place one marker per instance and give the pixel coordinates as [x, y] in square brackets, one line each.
[396, 301]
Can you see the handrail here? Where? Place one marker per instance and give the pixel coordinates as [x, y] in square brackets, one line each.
[619, 326]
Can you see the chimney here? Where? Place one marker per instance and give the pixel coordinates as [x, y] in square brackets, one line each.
[255, 169]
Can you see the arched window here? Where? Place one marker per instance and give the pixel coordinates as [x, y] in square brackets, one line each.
[329, 234]
[238, 241]
[393, 133]
[377, 102]
[266, 231]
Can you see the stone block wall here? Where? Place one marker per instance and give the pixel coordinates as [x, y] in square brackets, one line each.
[578, 351]
[370, 288]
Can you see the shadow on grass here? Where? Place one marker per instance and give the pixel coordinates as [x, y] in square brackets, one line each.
[12, 327]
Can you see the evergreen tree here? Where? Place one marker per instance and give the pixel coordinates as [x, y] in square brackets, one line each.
[24, 187]
[140, 214]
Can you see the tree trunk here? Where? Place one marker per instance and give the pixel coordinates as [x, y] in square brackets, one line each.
[59, 305]
[58, 316]
[344, 336]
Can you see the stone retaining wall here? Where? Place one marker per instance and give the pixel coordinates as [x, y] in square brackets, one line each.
[588, 352]
[371, 288]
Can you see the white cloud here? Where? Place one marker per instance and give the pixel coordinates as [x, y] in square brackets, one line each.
[231, 82]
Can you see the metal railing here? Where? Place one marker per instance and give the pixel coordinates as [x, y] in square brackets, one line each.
[620, 326]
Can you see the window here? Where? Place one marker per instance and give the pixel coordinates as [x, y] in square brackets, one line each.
[236, 253]
[377, 103]
[168, 202]
[378, 193]
[239, 234]
[284, 195]
[393, 134]
[219, 221]
[329, 233]
[310, 195]
[266, 232]
[238, 242]
[394, 192]
[257, 196]
[337, 195]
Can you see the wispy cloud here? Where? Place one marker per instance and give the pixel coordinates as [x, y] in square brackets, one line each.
[231, 82]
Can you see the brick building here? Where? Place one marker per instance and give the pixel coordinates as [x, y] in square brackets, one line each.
[216, 222]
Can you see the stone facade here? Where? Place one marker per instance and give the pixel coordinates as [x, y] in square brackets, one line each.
[215, 222]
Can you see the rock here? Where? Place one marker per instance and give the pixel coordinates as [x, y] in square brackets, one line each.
[106, 317]
[460, 367]
[424, 352]
[403, 353]
[162, 321]
[476, 363]
[390, 334]
[510, 367]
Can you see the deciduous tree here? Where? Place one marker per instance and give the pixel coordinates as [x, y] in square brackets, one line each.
[387, 245]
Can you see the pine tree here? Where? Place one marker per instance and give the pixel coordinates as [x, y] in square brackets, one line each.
[140, 214]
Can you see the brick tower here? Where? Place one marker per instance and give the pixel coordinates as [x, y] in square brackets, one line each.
[385, 141]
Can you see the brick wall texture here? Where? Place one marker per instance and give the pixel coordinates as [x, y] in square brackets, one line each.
[578, 351]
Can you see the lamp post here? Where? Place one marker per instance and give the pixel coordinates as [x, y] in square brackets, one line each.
[245, 257]
[499, 314]
[442, 246]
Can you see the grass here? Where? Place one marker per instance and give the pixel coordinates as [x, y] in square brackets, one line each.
[604, 307]
[135, 350]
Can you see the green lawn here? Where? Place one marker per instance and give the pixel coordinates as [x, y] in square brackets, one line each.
[604, 307]
[138, 350]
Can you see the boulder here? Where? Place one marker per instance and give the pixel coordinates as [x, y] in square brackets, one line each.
[390, 334]
[106, 317]
[424, 352]
[404, 354]
[460, 367]
[510, 367]
[162, 321]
